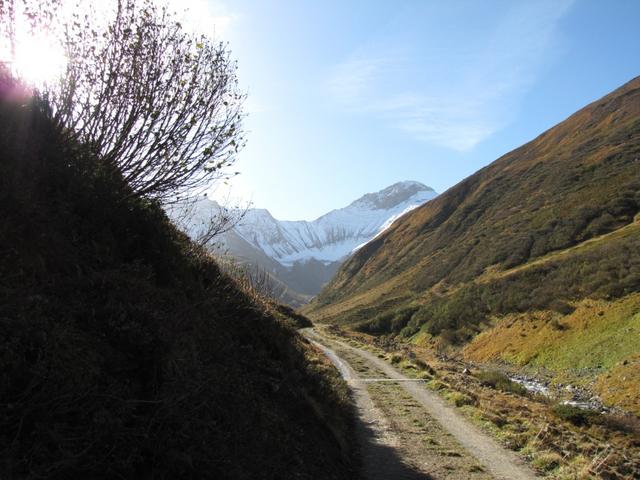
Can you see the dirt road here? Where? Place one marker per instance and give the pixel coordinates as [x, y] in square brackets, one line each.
[408, 432]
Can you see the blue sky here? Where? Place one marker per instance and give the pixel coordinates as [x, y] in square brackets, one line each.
[348, 97]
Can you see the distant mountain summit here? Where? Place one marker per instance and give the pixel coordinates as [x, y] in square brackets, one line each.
[333, 236]
[393, 195]
[305, 254]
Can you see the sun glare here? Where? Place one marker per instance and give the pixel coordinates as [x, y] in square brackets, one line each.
[39, 59]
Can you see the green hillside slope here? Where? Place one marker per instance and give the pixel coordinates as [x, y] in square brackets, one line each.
[541, 228]
[125, 352]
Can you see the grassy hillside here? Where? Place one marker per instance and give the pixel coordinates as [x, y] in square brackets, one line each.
[125, 352]
[596, 346]
[541, 229]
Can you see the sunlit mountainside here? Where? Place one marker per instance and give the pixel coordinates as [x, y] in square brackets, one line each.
[544, 241]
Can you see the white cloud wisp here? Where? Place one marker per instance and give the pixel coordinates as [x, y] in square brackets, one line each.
[456, 101]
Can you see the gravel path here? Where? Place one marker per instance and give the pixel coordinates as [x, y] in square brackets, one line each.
[382, 435]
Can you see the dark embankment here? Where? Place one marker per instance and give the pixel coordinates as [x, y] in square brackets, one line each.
[124, 352]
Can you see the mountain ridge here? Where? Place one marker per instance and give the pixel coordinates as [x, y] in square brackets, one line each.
[305, 254]
[303, 239]
[544, 228]
[457, 201]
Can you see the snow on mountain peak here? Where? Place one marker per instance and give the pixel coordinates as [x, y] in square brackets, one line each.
[329, 238]
[336, 234]
[391, 196]
[304, 255]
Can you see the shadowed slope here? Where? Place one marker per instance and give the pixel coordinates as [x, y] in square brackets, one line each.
[125, 352]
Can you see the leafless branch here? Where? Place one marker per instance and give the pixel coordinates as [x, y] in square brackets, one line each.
[158, 103]
[205, 220]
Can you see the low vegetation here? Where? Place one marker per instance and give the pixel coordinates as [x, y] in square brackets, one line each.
[596, 347]
[560, 441]
[576, 415]
[500, 381]
[574, 183]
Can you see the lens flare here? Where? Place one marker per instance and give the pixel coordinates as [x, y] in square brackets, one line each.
[39, 59]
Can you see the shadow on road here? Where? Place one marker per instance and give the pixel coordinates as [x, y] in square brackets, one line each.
[383, 462]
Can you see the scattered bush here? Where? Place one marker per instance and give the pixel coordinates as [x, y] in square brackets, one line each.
[449, 336]
[516, 441]
[576, 415]
[547, 461]
[498, 420]
[623, 423]
[396, 358]
[438, 385]
[408, 365]
[460, 399]
[422, 365]
[556, 325]
[499, 381]
[297, 320]
[561, 307]
[391, 321]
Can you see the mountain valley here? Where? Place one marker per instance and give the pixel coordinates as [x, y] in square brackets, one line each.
[533, 253]
[303, 256]
[155, 324]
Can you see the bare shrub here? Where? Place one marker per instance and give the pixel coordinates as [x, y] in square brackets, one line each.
[158, 103]
[205, 221]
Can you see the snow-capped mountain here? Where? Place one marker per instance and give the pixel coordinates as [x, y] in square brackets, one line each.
[304, 255]
[335, 235]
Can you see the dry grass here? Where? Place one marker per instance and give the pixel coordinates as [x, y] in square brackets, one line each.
[606, 445]
[620, 385]
[597, 342]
